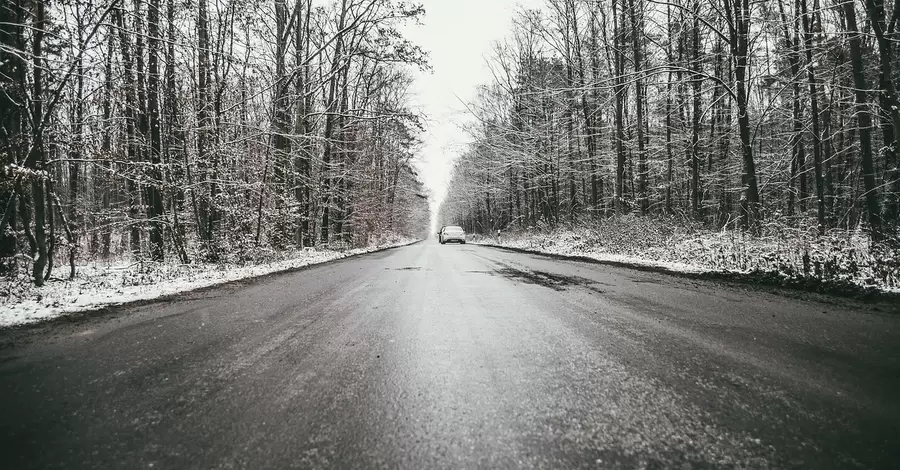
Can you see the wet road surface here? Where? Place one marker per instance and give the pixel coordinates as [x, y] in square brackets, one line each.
[433, 356]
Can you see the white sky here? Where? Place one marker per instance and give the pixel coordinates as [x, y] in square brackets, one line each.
[459, 36]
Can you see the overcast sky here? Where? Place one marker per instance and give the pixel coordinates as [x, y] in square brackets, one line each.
[458, 34]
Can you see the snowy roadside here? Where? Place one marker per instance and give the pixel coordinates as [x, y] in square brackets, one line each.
[99, 285]
[562, 250]
[837, 263]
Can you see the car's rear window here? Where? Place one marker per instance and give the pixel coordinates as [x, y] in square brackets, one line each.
[453, 230]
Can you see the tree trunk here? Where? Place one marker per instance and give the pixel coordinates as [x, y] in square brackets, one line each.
[175, 142]
[619, 90]
[696, 83]
[738, 13]
[302, 160]
[668, 117]
[888, 101]
[154, 194]
[106, 147]
[75, 152]
[206, 211]
[130, 137]
[37, 156]
[637, 34]
[280, 142]
[12, 139]
[864, 122]
[330, 119]
[814, 111]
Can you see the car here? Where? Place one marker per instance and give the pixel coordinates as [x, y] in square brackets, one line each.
[452, 233]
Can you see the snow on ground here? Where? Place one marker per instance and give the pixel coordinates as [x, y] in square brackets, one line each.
[791, 255]
[565, 249]
[99, 285]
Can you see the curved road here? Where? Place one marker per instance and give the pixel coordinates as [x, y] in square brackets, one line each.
[433, 356]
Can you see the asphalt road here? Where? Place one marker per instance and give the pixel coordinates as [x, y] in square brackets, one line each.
[435, 356]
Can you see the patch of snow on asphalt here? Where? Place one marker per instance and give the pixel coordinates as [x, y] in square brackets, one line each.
[100, 285]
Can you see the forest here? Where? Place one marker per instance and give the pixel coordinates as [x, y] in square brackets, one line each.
[651, 125]
[204, 131]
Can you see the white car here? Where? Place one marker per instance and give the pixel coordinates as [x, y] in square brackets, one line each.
[452, 233]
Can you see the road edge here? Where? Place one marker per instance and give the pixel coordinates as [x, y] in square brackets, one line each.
[753, 279]
[110, 309]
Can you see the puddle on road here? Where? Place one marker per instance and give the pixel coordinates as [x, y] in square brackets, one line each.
[557, 282]
[9, 359]
[644, 280]
[410, 268]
